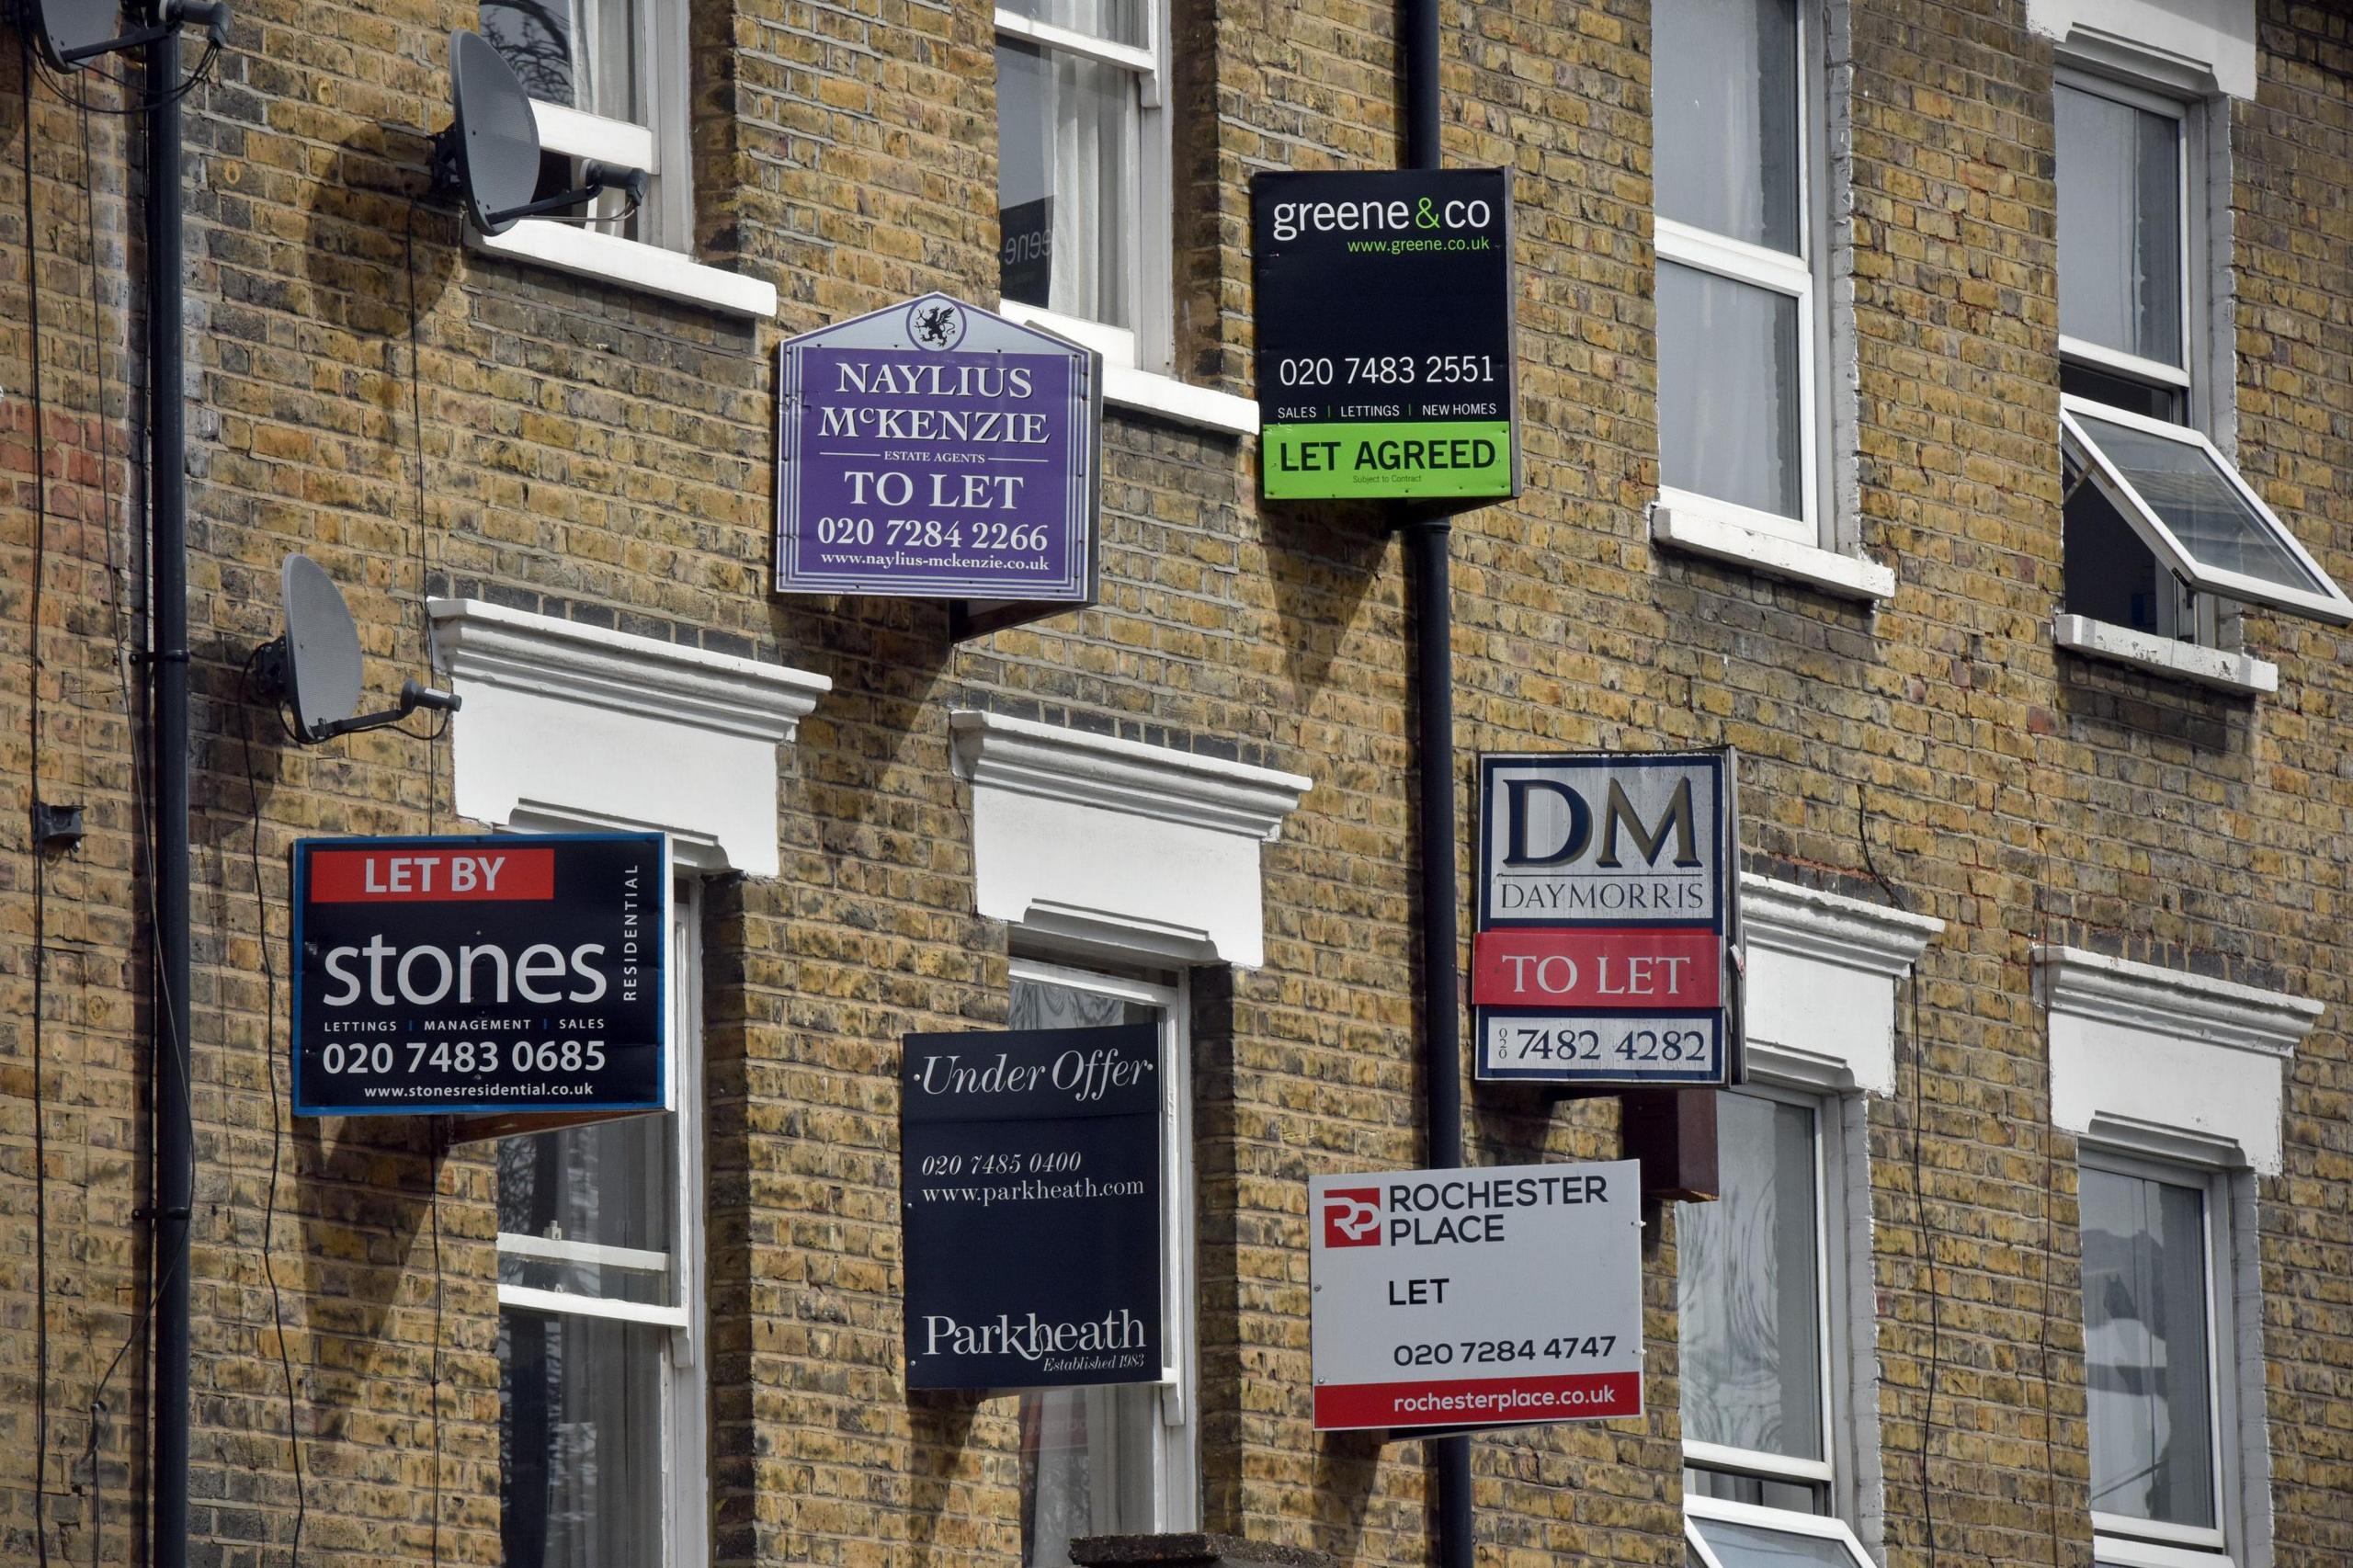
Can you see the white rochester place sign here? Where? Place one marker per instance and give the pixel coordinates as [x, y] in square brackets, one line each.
[1503, 1295]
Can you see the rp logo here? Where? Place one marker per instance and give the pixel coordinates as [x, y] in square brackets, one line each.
[934, 324]
[1352, 1217]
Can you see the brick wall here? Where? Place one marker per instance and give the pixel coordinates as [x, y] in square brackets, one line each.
[593, 454]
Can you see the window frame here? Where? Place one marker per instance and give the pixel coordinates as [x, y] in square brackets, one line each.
[1804, 278]
[2119, 1539]
[1838, 1141]
[685, 1491]
[1173, 1442]
[2192, 287]
[2197, 610]
[1825, 1472]
[1817, 1527]
[2155, 532]
[1150, 344]
[659, 144]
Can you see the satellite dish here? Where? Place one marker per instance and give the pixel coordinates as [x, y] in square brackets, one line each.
[490, 153]
[68, 32]
[322, 647]
[496, 141]
[314, 668]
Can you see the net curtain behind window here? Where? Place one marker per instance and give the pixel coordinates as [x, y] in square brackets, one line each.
[1069, 137]
[574, 52]
[1728, 134]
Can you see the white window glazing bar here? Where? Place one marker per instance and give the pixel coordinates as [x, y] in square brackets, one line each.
[569, 132]
[1736, 259]
[1128, 57]
[562, 1303]
[2126, 1526]
[1817, 1527]
[2130, 366]
[2111, 1552]
[547, 1250]
[1755, 1462]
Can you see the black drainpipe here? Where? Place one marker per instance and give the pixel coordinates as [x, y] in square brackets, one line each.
[1428, 539]
[167, 495]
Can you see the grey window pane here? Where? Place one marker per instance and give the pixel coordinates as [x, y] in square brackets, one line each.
[2147, 1398]
[1728, 400]
[1751, 1317]
[1757, 1491]
[2210, 517]
[1068, 164]
[1753, 1546]
[1725, 117]
[608, 1183]
[577, 52]
[580, 1441]
[2119, 226]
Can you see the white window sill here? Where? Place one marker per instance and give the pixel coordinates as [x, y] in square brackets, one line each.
[2215, 667]
[609, 258]
[1147, 392]
[1683, 527]
[1180, 400]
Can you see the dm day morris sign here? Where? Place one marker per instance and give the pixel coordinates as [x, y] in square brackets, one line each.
[1384, 321]
[936, 450]
[1608, 919]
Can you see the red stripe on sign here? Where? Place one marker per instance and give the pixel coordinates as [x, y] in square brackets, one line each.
[392, 875]
[1573, 1396]
[1555, 967]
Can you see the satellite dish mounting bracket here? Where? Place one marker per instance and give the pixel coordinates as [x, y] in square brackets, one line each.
[169, 17]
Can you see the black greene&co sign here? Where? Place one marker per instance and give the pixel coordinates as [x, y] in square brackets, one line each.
[1384, 319]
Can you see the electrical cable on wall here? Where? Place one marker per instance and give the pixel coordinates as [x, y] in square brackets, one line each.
[1919, 1196]
[39, 863]
[118, 624]
[277, 1122]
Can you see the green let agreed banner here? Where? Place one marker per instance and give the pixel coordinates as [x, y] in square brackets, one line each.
[1385, 344]
[1407, 458]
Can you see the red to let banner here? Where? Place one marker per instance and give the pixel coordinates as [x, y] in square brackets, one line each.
[1587, 967]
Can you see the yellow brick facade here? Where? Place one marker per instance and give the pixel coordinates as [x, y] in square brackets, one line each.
[592, 453]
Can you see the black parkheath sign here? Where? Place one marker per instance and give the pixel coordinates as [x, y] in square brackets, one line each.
[482, 975]
[1030, 1182]
[1384, 322]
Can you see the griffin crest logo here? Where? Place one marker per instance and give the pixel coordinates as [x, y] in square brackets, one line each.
[936, 324]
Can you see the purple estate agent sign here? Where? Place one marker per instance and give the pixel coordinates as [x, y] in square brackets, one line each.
[936, 450]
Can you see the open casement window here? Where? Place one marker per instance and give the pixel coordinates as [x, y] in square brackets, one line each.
[601, 1395]
[1117, 1459]
[1737, 126]
[1760, 1481]
[2157, 1401]
[608, 81]
[2188, 507]
[1083, 181]
[2159, 523]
